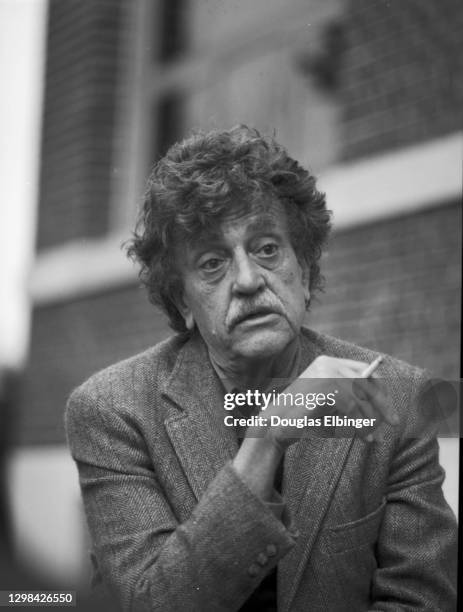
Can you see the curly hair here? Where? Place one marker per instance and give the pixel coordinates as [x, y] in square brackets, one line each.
[202, 179]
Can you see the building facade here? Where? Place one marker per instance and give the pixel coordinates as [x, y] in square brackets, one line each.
[368, 94]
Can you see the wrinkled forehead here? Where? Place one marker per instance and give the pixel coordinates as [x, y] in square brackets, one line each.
[265, 214]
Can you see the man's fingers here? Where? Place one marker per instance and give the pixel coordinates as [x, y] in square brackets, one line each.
[334, 367]
[366, 409]
[374, 391]
[351, 369]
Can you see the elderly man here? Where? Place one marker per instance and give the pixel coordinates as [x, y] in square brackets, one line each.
[185, 513]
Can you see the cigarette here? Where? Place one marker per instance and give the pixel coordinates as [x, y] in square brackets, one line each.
[368, 371]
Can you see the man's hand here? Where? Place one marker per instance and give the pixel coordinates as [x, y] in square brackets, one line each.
[355, 397]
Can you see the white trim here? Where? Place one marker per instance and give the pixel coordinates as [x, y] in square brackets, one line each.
[360, 192]
[396, 183]
[23, 35]
[46, 534]
[80, 267]
[449, 453]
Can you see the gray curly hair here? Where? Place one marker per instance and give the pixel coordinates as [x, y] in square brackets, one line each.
[202, 179]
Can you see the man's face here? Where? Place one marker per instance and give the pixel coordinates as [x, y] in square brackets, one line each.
[243, 285]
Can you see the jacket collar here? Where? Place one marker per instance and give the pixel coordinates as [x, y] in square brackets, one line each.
[203, 443]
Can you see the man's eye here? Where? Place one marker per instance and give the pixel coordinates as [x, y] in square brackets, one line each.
[268, 250]
[211, 264]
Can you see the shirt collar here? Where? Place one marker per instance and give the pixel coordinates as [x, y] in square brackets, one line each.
[290, 372]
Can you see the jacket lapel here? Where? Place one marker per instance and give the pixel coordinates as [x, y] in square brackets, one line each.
[311, 472]
[202, 442]
[203, 445]
[312, 468]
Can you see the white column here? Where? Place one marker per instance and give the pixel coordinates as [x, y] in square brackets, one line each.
[22, 61]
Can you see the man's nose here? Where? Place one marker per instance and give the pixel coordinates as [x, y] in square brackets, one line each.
[248, 277]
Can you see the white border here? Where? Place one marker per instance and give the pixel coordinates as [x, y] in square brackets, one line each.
[396, 183]
[365, 191]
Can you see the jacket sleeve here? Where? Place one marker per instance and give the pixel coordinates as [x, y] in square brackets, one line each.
[212, 561]
[417, 546]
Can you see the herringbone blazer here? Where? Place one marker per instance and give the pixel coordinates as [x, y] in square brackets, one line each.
[174, 528]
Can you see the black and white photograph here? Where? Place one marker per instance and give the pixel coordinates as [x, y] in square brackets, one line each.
[230, 305]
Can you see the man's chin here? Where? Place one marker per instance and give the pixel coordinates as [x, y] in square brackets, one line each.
[261, 345]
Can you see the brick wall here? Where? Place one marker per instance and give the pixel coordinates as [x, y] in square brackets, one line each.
[395, 286]
[402, 73]
[391, 285]
[79, 114]
[70, 341]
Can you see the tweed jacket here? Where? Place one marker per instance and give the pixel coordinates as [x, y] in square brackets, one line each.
[174, 528]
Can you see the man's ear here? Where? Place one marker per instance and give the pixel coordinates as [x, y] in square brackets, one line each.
[185, 311]
[189, 320]
[306, 282]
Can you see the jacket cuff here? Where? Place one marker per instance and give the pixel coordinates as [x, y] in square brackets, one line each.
[276, 506]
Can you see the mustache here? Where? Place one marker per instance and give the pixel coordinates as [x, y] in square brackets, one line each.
[251, 307]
